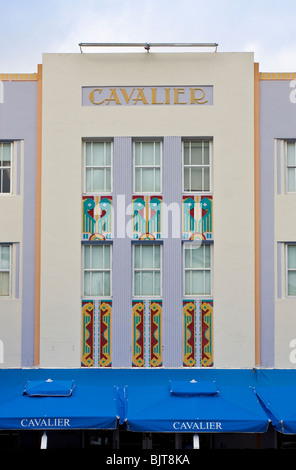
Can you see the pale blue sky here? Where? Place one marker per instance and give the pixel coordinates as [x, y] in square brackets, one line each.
[31, 27]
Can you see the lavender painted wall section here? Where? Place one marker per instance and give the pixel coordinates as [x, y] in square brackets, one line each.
[122, 254]
[172, 257]
[18, 121]
[277, 121]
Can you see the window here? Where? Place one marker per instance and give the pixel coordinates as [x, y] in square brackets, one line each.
[291, 270]
[5, 270]
[98, 165]
[197, 267]
[97, 265]
[5, 167]
[147, 270]
[147, 167]
[196, 166]
[290, 151]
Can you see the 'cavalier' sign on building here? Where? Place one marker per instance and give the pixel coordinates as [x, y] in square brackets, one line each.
[141, 96]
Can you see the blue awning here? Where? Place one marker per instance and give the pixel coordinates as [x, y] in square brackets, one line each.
[145, 400]
[49, 388]
[197, 405]
[39, 399]
[277, 393]
[193, 388]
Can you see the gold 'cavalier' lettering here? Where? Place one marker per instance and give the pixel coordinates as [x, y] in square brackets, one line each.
[125, 95]
[178, 92]
[140, 97]
[197, 100]
[92, 96]
[154, 98]
[113, 96]
[158, 96]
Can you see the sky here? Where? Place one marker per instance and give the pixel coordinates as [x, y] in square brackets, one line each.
[30, 28]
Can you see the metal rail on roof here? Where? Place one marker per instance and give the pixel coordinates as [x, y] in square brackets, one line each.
[146, 45]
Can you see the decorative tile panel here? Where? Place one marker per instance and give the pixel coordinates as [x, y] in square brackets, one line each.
[97, 218]
[197, 217]
[206, 310]
[155, 333]
[87, 353]
[189, 346]
[147, 333]
[198, 333]
[147, 215]
[96, 333]
[138, 333]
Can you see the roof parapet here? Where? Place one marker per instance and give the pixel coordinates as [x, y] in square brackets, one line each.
[146, 45]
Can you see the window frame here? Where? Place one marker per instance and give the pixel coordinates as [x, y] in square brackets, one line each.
[154, 141]
[105, 167]
[289, 141]
[2, 168]
[91, 270]
[191, 245]
[209, 166]
[9, 270]
[140, 295]
[290, 296]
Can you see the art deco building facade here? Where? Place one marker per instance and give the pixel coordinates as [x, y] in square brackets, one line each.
[146, 204]
[140, 158]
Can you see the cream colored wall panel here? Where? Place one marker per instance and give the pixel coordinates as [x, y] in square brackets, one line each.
[284, 224]
[11, 216]
[229, 121]
[285, 333]
[11, 332]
